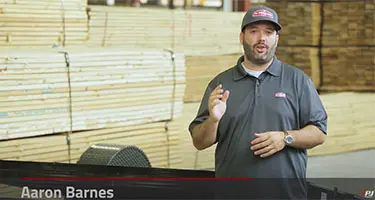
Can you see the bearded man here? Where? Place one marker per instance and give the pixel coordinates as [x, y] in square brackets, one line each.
[262, 113]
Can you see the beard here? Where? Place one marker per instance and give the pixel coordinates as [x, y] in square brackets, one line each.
[259, 58]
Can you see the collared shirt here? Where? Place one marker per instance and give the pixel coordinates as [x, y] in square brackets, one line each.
[282, 98]
[255, 73]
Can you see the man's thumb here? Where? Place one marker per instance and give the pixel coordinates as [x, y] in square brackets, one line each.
[226, 95]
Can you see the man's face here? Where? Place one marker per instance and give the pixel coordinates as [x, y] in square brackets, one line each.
[259, 41]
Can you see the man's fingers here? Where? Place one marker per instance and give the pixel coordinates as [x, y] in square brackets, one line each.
[269, 153]
[263, 150]
[213, 97]
[215, 102]
[225, 96]
[260, 138]
[260, 145]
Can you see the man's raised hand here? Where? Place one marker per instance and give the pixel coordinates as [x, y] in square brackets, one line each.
[217, 103]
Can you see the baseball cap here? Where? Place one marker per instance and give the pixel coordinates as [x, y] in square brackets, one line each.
[260, 13]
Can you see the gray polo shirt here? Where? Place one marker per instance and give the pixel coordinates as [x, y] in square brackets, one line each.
[281, 98]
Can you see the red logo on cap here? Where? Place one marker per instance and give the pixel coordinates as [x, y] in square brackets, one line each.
[263, 13]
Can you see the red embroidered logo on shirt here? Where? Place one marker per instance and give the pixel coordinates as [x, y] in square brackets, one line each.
[280, 94]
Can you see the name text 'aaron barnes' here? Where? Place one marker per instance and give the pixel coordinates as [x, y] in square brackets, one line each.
[70, 192]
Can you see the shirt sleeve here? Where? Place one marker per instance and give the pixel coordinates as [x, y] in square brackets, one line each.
[203, 112]
[312, 111]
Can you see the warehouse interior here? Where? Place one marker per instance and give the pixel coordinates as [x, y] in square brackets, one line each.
[75, 73]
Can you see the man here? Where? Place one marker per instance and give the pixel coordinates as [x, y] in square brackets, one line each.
[262, 113]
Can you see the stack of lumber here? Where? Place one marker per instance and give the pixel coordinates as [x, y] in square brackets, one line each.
[350, 123]
[122, 26]
[111, 95]
[349, 65]
[348, 69]
[113, 87]
[349, 23]
[43, 22]
[207, 32]
[33, 93]
[188, 32]
[106, 88]
[46, 148]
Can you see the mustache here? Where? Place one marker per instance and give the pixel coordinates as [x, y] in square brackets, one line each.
[260, 44]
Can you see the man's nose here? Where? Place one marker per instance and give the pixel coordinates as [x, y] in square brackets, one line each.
[262, 36]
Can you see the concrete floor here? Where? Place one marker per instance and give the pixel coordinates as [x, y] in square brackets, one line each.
[349, 172]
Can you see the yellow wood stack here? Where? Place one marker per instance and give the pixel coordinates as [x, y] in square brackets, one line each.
[107, 88]
[350, 128]
[349, 23]
[130, 27]
[348, 69]
[117, 96]
[48, 148]
[43, 22]
[207, 32]
[34, 93]
[188, 32]
[114, 87]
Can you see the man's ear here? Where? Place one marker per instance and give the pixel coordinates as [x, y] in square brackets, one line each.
[277, 37]
[241, 37]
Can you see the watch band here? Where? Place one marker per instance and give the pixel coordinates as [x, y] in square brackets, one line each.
[285, 133]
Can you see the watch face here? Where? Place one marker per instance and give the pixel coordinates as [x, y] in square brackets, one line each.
[289, 139]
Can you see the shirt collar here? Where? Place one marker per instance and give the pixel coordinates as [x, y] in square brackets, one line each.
[274, 69]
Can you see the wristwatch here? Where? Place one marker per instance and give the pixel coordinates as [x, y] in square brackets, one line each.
[288, 139]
